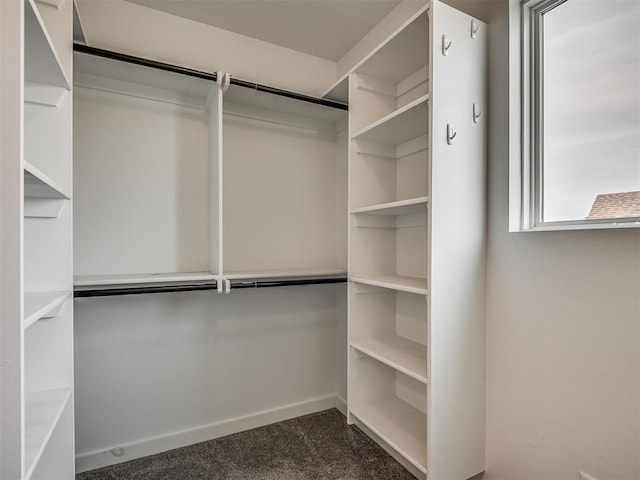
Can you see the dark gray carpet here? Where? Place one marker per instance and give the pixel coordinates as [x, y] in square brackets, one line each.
[320, 446]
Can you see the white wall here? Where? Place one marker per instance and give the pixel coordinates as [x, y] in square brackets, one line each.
[154, 372]
[138, 30]
[563, 341]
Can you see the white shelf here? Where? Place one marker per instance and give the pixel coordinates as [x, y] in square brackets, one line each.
[291, 273]
[39, 305]
[42, 63]
[108, 75]
[399, 353]
[339, 91]
[39, 185]
[402, 53]
[401, 426]
[402, 207]
[400, 126]
[141, 278]
[395, 282]
[42, 411]
[275, 103]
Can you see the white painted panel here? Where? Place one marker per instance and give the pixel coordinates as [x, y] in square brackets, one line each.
[58, 456]
[46, 145]
[58, 19]
[412, 177]
[141, 180]
[411, 391]
[457, 274]
[342, 345]
[49, 352]
[411, 251]
[279, 196]
[172, 362]
[48, 253]
[11, 234]
[411, 317]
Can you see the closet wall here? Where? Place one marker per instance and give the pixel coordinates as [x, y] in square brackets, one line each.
[179, 368]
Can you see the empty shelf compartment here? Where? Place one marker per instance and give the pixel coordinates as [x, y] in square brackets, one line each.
[43, 410]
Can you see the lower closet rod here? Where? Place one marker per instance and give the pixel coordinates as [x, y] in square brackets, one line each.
[235, 284]
[285, 283]
[109, 292]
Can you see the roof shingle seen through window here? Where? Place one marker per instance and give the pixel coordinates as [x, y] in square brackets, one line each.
[615, 205]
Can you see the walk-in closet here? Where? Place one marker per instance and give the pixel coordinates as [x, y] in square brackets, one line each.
[191, 250]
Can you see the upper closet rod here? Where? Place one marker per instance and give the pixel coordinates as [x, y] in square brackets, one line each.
[235, 284]
[82, 48]
[123, 57]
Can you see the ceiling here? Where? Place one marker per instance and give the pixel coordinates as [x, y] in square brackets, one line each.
[324, 28]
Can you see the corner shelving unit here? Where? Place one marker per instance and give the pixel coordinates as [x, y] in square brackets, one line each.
[37, 314]
[416, 243]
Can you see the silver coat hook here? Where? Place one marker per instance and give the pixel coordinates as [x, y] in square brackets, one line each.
[451, 134]
[446, 45]
[475, 27]
[477, 113]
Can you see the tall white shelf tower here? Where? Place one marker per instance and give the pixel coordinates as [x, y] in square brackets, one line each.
[36, 279]
[417, 201]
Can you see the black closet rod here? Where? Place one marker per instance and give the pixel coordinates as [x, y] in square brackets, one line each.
[110, 292]
[99, 52]
[123, 57]
[235, 284]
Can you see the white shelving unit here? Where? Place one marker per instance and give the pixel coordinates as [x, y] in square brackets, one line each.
[255, 194]
[36, 418]
[416, 243]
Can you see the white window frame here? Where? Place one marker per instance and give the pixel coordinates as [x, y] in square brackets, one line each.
[526, 163]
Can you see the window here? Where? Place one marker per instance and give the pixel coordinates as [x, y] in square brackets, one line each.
[580, 114]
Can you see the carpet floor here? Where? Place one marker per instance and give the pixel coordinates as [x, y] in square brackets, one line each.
[320, 446]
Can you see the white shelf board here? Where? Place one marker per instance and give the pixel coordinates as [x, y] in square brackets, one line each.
[339, 91]
[43, 409]
[400, 425]
[106, 74]
[394, 282]
[402, 53]
[291, 273]
[402, 125]
[39, 185]
[41, 63]
[402, 207]
[276, 103]
[39, 305]
[399, 353]
[141, 278]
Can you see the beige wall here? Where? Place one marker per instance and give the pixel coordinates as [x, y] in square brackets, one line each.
[563, 337]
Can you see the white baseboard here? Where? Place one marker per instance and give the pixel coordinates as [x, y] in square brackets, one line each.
[150, 446]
